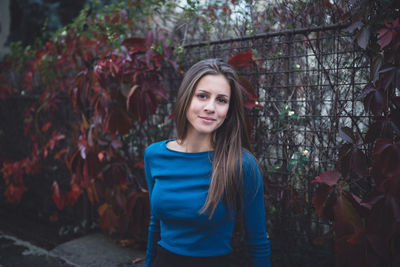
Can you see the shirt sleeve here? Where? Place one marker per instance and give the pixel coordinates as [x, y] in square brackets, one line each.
[254, 213]
[154, 225]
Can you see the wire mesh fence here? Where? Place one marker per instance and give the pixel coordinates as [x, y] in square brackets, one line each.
[308, 82]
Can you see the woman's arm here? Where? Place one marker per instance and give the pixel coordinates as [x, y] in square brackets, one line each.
[154, 225]
[152, 239]
[254, 213]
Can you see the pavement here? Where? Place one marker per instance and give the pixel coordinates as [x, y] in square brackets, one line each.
[93, 250]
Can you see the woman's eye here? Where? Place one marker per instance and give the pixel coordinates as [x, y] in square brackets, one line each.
[201, 96]
[222, 100]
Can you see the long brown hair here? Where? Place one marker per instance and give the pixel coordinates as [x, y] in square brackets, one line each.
[229, 138]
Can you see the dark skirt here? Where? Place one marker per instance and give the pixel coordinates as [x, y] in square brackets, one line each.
[165, 258]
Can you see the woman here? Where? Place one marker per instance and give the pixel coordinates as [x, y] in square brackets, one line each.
[199, 182]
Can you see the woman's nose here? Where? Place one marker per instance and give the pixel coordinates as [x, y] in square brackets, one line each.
[210, 106]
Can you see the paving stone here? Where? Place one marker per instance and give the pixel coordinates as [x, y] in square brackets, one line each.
[96, 250]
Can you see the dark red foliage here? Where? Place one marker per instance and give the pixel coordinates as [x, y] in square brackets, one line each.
[241, 60]
[329, 178]
[110, 88]
[389, 33]
[366, 226]
[138, 203]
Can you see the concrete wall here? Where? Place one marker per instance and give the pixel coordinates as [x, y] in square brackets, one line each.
[5, 21]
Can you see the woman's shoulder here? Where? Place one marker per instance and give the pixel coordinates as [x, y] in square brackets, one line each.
[248, 159]
[155, 148]
[252, 177]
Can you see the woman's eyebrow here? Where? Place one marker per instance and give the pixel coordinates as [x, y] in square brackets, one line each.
[207, 92]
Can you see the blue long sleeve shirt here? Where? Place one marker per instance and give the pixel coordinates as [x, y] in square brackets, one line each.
[178, 185]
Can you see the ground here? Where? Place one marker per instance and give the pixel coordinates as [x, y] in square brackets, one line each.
[27, 241]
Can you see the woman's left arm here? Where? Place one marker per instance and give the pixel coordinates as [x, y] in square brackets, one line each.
[254, 213]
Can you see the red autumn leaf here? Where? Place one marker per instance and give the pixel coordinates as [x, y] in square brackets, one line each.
[130, 94]
[72, 196]
[108, 219]
[380, 145]
[250, 93]
[359, 163]
[85, 173]
[323, 201]
[54, 139]
[46, 126]
[101, 210]
[57, 197]
[385, 160]
[17, 172]
[373, 132]
[118, 120]
[134, 44]
[385, 36]
[241, 60]
[348, 222]
[329, 177]
[362, 208]
[14, 193]
[144, 102]
[59, 153]
[374, 100]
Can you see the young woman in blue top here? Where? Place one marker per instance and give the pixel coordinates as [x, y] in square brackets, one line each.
[199, 182]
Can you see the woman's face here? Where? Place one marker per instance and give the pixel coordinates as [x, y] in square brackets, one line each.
[209, 105]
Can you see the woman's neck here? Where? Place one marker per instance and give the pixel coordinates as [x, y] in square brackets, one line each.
[196, 143]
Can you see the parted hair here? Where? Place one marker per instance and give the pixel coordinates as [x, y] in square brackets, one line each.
[228, 140]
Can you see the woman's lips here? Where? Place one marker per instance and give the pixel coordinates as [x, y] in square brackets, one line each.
[207, 119]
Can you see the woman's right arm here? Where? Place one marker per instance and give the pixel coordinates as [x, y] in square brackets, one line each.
[154, 225]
